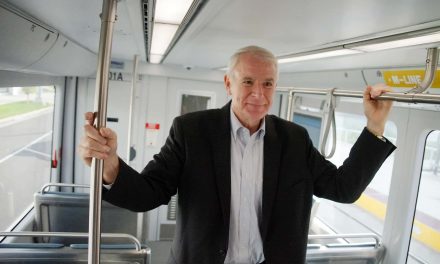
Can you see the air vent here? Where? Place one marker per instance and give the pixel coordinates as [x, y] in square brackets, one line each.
[172, 209]
[148, 15]
[148, 7]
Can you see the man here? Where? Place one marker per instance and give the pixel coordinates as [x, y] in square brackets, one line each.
[245, 179]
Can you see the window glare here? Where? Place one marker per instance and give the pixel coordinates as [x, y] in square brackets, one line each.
[368, 213]
[425, 236]
[26, 120]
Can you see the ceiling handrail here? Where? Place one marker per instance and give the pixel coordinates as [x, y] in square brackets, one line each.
[398, 97]
[430, 70]
[330, 121]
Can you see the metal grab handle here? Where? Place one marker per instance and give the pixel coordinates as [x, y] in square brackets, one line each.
[330, 118]
[412, 96]
[47, 186]
[430, 70]
[362, 235]
[290, 106]
[330, 121]
[73, 234]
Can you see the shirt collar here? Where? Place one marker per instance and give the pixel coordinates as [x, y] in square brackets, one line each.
[236, 125]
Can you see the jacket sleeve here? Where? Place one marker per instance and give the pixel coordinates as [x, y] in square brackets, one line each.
[346, 183]
[155, 185]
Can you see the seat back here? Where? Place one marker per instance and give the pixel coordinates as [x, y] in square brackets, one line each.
[69, 212]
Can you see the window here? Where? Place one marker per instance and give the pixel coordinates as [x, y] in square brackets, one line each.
[312, 124]
[368, 213]
[26, 118]
[192, 103]
[425, 237]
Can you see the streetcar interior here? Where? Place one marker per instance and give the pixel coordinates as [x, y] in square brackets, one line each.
[48, 71]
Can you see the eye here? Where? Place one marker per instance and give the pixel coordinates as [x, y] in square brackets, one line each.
[247, 82]
[268, 84]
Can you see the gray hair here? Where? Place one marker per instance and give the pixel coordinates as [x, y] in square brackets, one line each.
[256, 51]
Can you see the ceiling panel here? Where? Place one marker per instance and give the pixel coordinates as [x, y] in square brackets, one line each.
[223, 26]
[286, 26]
[79, 20]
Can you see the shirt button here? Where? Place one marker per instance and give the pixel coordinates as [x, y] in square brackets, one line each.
[222, 252]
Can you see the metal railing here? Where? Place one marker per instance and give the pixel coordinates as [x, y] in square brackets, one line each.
[131, 238]
[46, 187]
[338, 236]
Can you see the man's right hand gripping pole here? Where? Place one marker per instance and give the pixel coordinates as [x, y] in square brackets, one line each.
[100, 144]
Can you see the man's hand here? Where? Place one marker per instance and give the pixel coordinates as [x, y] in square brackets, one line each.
[100, 144]
[376, 111]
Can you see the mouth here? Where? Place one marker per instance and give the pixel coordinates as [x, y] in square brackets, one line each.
[256, 104]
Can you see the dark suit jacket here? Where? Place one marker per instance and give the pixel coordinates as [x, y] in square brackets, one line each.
[196, 161]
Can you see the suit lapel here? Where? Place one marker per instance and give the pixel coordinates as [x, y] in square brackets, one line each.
[220, 131]
[272, 153]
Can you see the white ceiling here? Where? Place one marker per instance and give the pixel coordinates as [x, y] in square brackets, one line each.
[282, 26]
[79, 20]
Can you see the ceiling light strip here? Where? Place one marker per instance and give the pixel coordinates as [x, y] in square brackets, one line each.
[407, 39]
[319, 54]
[192, 13]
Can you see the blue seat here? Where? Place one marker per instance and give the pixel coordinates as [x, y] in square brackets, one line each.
[69, 212]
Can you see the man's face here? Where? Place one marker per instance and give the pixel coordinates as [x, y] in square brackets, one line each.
[251, 85]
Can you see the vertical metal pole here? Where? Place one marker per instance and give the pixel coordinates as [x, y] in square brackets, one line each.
[108, 17]
[130, 111]
[140, 216]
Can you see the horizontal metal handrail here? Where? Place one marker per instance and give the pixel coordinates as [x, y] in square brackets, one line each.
[398, 97]
[73, 234]
[361, 235]
[46, 186]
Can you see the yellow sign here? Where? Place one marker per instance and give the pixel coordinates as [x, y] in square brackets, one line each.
[408, 78]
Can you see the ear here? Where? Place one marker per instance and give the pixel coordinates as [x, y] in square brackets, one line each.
[227, 82]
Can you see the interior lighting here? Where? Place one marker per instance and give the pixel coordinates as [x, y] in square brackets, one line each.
[168, 15]
[408, 39]
[393, 44]
[319, 54]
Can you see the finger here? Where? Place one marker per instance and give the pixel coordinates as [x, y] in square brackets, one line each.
[89, 117]
[91, 132]
[88, 143]
[89, 153]
[379, 89]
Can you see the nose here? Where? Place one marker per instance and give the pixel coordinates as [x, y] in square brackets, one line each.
[257, 89]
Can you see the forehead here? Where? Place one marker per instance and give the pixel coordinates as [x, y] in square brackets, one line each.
[254, 66]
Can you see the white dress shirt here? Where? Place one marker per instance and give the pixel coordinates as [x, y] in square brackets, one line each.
[245, 244]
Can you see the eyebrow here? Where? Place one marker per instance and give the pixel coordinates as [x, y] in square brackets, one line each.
[266, 80]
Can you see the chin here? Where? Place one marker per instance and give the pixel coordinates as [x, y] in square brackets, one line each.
[257, 115]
